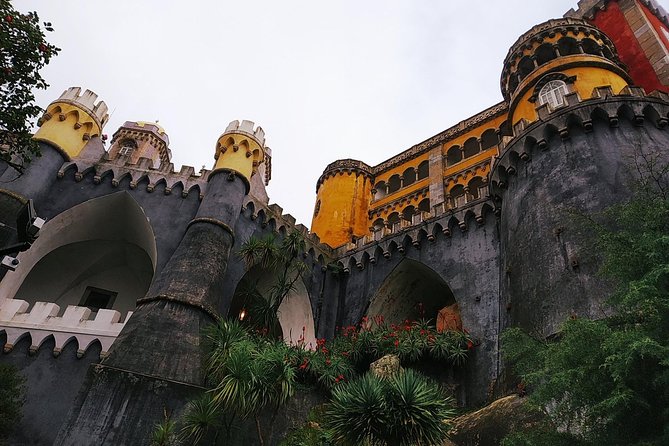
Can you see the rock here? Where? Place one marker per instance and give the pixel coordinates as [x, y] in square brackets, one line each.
[489, 425]
[386, 366]
[449, 319]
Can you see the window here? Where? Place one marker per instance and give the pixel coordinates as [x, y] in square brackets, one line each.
[553, 94]
[97, 298]
[317, 209]
[127, 147]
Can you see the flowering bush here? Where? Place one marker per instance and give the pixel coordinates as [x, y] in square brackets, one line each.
[355, 347]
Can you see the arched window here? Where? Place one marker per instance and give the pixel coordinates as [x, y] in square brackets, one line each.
[394, 184]
[409, 176]
[394, 221]
[317, 208]
[458, 196]
[127, 147]
[423, 170]
[454, 155]
[380, 188]
[553, 93]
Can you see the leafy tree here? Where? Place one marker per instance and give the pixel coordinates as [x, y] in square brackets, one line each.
[24, 51]
[404, 410]
[607, 381]
[11, 398]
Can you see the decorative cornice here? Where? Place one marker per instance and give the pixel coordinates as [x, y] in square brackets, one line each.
[450, 133]
[345, 166]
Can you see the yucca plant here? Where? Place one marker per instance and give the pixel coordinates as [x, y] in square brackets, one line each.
[203, 416]
[164, 433]
[419, 410]
[405, 410]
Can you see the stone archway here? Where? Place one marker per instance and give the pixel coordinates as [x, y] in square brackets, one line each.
[411, 291]
[100, 253]
[295, 315]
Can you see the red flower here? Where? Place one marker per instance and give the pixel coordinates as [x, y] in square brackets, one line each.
[397, 343]
[42, 47]
[470, 345]
[328, 362]
[304, 364]
[9, 19]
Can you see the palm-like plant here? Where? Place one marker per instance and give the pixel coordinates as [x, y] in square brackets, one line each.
[407, 409]
[280, 256]
[419, 410]
[247, 374]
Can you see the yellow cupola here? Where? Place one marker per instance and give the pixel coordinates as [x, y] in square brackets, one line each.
[71, 121]
[557, 63]
[241, 149]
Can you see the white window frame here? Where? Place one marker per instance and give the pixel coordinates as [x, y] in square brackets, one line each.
[553, 94]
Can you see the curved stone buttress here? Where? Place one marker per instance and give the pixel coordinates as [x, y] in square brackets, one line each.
[571, 154]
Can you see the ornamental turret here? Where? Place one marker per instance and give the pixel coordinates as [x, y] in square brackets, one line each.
[240, 149]
[71, 121]
[558, 63]
[135, 140]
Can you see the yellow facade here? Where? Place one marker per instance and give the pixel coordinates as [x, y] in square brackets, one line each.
[342, 203]
[587, 79]
[67, 127]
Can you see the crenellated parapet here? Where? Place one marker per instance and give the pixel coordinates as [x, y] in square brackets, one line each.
[121, 173]
[241, 148]
[345, 166]
[437, 226]
[43, 321]
[71, 121]
[272, 216]
[532, 139]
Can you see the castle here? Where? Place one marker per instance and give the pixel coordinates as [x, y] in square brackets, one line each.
[475, 220]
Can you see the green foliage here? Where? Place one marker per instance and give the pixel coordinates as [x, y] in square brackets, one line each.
[24, 51]
[407, 409]
[11, 398]
[164, 433]
[281, 257]
[356, 347]
[543, 435]
[607, 381]
[313, 433]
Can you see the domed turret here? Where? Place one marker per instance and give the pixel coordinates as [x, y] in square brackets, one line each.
[555, 62]
[71, 121]
[342, 202]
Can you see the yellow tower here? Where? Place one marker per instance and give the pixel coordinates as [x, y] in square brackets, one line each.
[71, 121]
[557, 63]
[343, 193]
[240, 149]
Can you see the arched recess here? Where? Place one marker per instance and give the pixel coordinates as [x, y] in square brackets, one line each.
[295, 316]
[100, 253]
[411, 291]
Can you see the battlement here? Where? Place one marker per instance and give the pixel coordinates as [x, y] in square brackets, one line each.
[43, 321]
[344, 166]
[247, 128]
[87, 101]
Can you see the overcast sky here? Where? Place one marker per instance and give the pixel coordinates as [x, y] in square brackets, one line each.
[362, 79]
